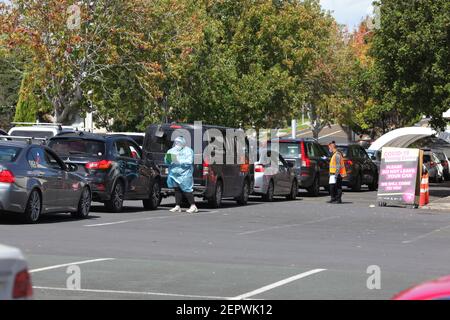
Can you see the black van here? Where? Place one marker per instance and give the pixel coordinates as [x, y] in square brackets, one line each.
[212, 181]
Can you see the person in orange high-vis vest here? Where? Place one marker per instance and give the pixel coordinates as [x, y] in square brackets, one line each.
[337, 173]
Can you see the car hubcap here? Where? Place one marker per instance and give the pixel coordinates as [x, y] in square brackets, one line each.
[35, 206]
[156, 193]
[86, 202]
[118, 197]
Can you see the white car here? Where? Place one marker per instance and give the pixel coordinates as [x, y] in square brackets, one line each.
[15, 280]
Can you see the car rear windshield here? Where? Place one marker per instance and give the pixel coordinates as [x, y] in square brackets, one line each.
[79, 147]
[33, 134]
[344, 151]
[9, 154]
[440, 156]
[290, 150]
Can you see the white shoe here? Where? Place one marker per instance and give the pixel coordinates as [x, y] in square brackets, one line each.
[177, 209]
[192, 209]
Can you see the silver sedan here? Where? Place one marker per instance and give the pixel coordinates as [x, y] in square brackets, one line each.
[276, 179]
[34, 180]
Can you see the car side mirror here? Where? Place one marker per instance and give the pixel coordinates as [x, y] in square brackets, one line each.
[71, 167]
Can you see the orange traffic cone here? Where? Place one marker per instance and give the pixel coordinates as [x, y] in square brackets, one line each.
[424, 191]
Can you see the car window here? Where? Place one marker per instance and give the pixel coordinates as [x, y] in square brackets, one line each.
[9, 154]
[123, 149]
[311, 151]
[36, 158]
[290, 150]
[52, 162]
[318, 151]
[135, 151]
[344, 151]
[363, 154]
[75, 146]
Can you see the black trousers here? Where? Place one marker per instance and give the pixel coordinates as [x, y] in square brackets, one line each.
[336, 190]
[179, 197]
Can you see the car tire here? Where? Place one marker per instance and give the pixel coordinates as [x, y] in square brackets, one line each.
[216, 200]
[314, 190]
[374, 185]
[115, 204]
[84, 204]
[33, 208]
[154, 200]
[268, 196]
[357, 185]
[294, 191]
[245, 193]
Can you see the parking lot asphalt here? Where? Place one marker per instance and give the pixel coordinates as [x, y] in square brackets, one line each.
[304, 249]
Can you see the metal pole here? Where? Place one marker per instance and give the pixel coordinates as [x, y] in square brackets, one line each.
[294, 129]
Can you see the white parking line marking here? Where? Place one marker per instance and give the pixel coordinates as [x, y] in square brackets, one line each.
[426, 235]
[277, 284]
[135, 293]
[150, 218]
[70, 264]
[329, 135]
[286, 226]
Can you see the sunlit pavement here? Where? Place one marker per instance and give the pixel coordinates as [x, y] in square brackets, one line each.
[305, 249]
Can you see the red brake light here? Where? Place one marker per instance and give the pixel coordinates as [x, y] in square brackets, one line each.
[99, 165]
[205, 168]
[259, 168]
[22, 285]
[306, 162]
[349, 163]
[174, 126]
[7, 176]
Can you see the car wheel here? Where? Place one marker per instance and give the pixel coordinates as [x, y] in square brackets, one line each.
[33, 208]
[374, 185]
[294, 191]
[357, 185]
[84, 205]
[243, 197]
[155, 197]
[314, 190]
[269, 194]
[115, 204]
[216, 200]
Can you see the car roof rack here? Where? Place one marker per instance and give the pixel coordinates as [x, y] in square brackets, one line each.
[28, 140]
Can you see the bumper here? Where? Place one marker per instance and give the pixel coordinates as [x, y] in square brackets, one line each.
[199, 191]
[12, 198]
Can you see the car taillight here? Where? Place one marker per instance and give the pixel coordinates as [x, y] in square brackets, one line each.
[22, 285]
[99, 165]
[348, 163]
[245, 167]
[306, 162]
[205, 168]
[7, 176]
[259, 168]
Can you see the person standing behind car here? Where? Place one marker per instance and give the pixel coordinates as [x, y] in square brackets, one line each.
[181, 169]
[337, 173]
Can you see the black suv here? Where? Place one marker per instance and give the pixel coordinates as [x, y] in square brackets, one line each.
[361, 170]
[114, 167]
[311, 163]
[212, 181]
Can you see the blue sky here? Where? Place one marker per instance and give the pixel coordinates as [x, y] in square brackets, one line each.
[349, 12]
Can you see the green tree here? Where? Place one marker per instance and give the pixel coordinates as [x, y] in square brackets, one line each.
[412, 61]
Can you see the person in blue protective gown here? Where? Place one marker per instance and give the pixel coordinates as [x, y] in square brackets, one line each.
[181, 169]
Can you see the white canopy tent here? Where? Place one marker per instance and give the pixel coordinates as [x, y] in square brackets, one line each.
[402, 138]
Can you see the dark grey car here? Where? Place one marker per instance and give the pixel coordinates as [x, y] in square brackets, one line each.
[35, 181]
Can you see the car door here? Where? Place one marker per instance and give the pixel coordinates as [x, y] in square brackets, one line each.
[70, 189]
[145, 172]
[129, 168]
[284, 177]
[51, 180]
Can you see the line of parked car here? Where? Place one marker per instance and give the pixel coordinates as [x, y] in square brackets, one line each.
[50, 168]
